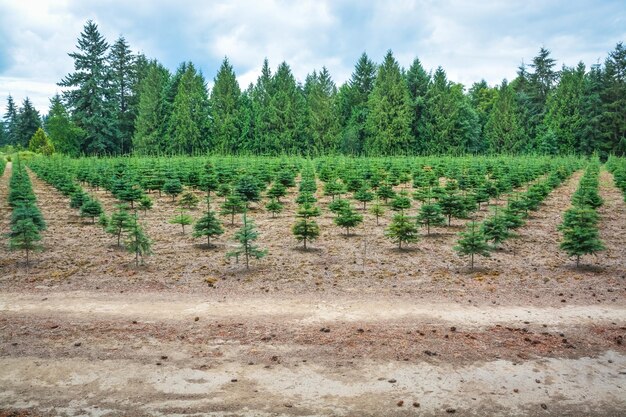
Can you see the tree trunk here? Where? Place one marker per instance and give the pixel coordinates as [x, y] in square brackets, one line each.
[27, 262]
[472, 262]
[137, 259]
[304, 240]
[577, 261]
[449, 219]
[232, 218]
[208, 240]
[428, 228]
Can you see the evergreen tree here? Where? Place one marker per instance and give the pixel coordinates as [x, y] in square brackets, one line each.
[563, 110]
[472, 242]
[181, 218]
[417, 80]
[91, 208]
[246, 237]
[540, 85]
[119, 222]
[430, 215]
[137, 241]
[208, 225]
[65, 136]
[248, 189]
[580, 233]
[452, 206]
[287, 113]
[40, 143]
[306, 229]
[348, 218]
[234, 204]
[188, 123]
[262, 112]
[24, 236]
[274, 207]
[322, 118]
[89, 96]
[173, 187]
[614, 99]
[389, 113]
[145, 203]
[364, 195]
[188, 200]
[502, 131]
[496, 229]
[151, 121]
[482, 98]
[402, 230]
[377, 210]
[452, 125]
[352, 103]
[121, 62]
[10, 122]
[28, 122]
[225, 105]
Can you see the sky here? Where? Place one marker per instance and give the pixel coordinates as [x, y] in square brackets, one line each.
[471, 40]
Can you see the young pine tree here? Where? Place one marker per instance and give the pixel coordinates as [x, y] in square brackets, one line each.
[348, 218]
[91, 208]
[496, 229]
[145, 204]
[472, 242]
[137, 241]
[172, 187]
[580, 233]
[246, 237]
[119, 222]
[182, 218]
[377, 210]
[306, 229]
[430, 215]
[24, 236]
[208, 225]
[188, 200]
[274, 207]
[364, 195]
[402, 230]
[234, 204]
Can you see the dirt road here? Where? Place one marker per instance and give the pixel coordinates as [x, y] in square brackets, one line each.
[91, 353]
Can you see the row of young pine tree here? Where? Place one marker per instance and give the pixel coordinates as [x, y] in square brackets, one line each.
[117, 102]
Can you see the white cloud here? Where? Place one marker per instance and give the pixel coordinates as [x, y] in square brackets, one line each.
[470, 40]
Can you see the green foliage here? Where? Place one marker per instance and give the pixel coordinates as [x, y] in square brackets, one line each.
[348, 218]
[580, 232]
[65, 135]
[430, 215]
[119, 221]
[40, 143]
[400, 203]
[91, 208]
[496, 229]
[24, 236]
[208, 225]
[402, 230]
[145, 203]
[274, 207]
[188, 200]
[246, 236]
[182, 218]
[364, 195]
[472, 242]
[338, 205]
[137, 241]
[172, 187]
[389, 113]
[377, 210]
[305, 229]
[234, 204]
[248, 188]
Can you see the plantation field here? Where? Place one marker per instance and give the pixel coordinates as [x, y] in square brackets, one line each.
[351, 325]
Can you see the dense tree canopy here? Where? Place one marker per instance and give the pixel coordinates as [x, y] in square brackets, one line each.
[117, 102]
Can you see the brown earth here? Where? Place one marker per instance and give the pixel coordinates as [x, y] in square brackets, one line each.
[350, 327]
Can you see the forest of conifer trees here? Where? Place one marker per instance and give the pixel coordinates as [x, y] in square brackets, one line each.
[118, 102]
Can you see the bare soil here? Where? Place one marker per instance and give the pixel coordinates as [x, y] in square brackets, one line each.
[352, 326]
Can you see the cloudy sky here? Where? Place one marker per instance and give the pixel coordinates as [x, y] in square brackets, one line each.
[469, 39]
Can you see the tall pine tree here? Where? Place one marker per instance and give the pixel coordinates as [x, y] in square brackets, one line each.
[150, 124]
[89, 94]
[225, 107]
[389, 113]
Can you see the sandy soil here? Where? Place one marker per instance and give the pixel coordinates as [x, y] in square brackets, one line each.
[323, 332]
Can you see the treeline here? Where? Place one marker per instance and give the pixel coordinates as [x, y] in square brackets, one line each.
[117, 102]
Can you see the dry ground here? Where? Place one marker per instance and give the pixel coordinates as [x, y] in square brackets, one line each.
[350, 327]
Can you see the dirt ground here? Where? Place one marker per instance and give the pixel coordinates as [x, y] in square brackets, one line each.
[352, 326]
